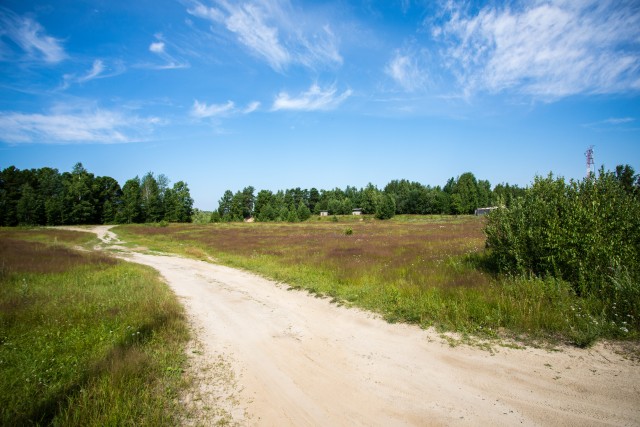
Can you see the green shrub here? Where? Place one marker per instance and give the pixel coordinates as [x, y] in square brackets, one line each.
[387, 207]
[584, 232]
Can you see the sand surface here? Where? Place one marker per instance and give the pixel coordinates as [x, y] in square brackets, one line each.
[299, 360]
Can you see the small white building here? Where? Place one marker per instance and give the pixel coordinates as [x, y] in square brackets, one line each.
[356, 211]
[324, 213]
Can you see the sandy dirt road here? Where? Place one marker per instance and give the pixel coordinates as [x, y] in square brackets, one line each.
[302, 361]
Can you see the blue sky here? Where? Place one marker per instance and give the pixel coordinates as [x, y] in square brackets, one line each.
[281, 94]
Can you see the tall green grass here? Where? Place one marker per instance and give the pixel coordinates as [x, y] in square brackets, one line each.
[85, 339]
[431, 271]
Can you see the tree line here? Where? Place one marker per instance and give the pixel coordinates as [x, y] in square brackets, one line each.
[47, 197]
[461, 195]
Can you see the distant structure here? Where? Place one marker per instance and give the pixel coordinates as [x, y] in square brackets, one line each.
[356, 211]
[590, 163]
[484, 211]
[324, 213]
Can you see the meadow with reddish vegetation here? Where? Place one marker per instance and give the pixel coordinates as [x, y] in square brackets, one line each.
[421, 255]
[427, 270]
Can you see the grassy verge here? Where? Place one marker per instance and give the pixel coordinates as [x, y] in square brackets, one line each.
[85, 339]
[430, 271]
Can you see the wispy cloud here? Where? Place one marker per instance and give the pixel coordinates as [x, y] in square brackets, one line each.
[202, 110]
[96, 70]
[60, 126]
[99, 70]
[619, 121]
[275, 32]
[159, 48]
[614, 123]
[313, 99]
[547, 49]
[253, 106]
[405, 70]
[31, 37]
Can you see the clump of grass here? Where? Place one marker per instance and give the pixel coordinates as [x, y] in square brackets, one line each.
[84, 339]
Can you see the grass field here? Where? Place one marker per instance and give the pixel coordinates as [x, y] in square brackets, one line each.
[85, 339]
[431, 271]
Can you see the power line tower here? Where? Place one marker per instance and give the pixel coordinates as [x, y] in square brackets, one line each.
[590, 163]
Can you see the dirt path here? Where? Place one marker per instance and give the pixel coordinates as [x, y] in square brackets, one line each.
[301, 360]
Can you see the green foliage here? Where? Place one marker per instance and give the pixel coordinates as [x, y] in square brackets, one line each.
[465, 193]
[348, 231]
[625, 174]
[304, 213]
[109, 195]
[505, 194]
[215, 217]
[201, 217]
[27, 207]
[386, 208]
[586, 233]
[151, 199]
[46, 197]
[224, 206]
[79, 200]
[130, 210]
[415, 198]
[263, 206]
[267, 213]
[459, 196]
[292, 216]
[178, 203]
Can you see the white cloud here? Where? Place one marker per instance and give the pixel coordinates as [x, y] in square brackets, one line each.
[314, 99]
[406, 71]
[202, 110]
[547, 49]
[74, 127]
[210, 13]
[253, 106]
[275, 32]
[31, 37]
[156, 47]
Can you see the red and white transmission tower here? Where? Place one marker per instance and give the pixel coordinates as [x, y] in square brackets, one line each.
[590, 167]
